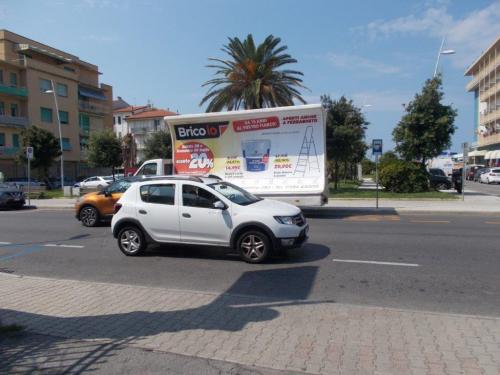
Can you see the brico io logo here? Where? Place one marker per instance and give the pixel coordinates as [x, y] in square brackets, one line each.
[200, 131]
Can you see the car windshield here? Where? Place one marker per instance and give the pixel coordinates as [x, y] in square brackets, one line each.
[234, 193]
[108, 178]
[118, 186]
[495, 171]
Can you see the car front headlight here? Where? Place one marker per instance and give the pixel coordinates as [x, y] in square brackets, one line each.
[288, 220]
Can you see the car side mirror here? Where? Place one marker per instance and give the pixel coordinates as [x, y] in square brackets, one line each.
[220, 205]
[107, 193]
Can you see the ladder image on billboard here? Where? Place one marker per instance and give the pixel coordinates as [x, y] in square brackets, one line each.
[308, 156]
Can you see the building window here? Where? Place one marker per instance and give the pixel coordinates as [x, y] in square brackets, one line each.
[62, 89]
[45, 85]
[119, 120]
[1, 76]
[46, 114]
[84, 123]
[13, 79]
[156, 124]
[66, 144]
[15, 140]
[114, 120]
[69, 69]
[14, 110]
[2, 139]
[64, 117]
[2, 109]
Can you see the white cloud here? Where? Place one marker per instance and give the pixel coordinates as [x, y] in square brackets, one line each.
[469, 35]
[359, 63]
[382, 101]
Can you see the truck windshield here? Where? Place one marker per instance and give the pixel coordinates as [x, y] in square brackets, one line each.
[234, 193]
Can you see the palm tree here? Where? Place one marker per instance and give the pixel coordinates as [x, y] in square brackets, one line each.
[251, 79]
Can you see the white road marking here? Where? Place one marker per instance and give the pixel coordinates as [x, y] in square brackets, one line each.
[62, 245]
[5, 243]
[376, 262]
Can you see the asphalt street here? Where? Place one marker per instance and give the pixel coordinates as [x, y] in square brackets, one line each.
[446, 263]
[492, 189]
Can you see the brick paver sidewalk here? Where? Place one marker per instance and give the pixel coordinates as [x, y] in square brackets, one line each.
[316, 337]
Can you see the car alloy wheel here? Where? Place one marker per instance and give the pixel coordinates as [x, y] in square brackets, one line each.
[131, 241]
[89, 216]
[442, 186]
[253, 247]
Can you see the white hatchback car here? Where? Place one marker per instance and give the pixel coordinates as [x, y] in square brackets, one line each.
[205, 211]
[491, 176]
[95, 182]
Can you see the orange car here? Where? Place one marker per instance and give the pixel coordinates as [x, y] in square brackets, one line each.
[98, 206]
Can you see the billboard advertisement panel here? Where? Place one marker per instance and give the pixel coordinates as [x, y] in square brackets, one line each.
[263, 151]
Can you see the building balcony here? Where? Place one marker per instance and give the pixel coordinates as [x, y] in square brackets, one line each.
[8, 152]
[94, 108]
[489, 117]
[473, 84]
[57, 70]
[488, 140]
[17, 122]
[15, 91]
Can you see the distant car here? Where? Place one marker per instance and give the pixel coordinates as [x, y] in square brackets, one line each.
[21, 182]
[477, 174]
[491, 176]
[471, 171]
[55, 182]
[11, 197]
[438, 179]
[95, 182]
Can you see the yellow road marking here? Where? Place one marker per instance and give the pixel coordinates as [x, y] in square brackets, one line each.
[492, 222]
[431, 221]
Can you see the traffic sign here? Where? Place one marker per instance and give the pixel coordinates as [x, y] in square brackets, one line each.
[29, 153]
[377, 147]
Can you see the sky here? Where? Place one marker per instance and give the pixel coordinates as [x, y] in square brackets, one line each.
[377, 53]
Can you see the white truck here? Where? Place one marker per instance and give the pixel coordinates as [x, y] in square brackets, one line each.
[273, 152]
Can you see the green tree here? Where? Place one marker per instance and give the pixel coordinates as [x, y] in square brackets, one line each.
[46, 149]
[387, 157]
[251, 77]
[426, 128]
[345, 133]
[158, 145]
[105, 150]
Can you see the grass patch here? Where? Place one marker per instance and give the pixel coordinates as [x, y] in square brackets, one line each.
[10, 329]
[350, 190]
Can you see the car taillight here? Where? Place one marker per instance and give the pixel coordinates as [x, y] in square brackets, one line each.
[492, 174]
[117, 207]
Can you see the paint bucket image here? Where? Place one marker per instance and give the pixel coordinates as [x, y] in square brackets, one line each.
[256, 154]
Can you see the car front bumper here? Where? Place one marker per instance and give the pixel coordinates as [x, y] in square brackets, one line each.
[294, 242]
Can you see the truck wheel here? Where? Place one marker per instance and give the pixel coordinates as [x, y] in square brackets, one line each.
[254, 246]
[442, 186]
[131, 241]
[89, 216]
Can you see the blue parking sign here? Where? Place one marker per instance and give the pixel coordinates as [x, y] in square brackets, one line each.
[377, 147]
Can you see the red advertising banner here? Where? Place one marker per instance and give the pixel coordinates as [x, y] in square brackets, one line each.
[256, 124]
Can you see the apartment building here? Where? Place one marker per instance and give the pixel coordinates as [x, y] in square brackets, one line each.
[142, 124]
[485, 84]
[120, 116]
[28, 69]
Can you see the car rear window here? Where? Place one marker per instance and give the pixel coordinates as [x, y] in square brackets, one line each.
[495, 171]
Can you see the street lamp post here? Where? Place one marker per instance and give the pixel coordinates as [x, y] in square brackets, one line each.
[53, 91]
[442, 52]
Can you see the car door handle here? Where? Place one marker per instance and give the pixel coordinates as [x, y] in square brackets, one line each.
[144, 212]
[186, 215]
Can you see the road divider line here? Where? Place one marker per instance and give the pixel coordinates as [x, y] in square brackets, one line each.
[62, 245]
[486, 222]
[376, 262]
[5, 243]
[431, 221]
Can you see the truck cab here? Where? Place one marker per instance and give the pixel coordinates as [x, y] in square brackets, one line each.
[155, 167]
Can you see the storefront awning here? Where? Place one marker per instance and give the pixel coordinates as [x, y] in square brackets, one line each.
[477, 153]
[495, 154]
[488, 155]
[91, 93]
